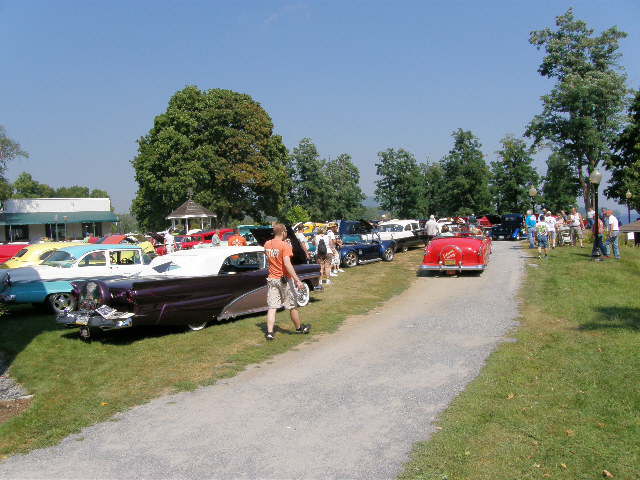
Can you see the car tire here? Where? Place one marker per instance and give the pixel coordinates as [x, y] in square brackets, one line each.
[303, 296]
[194, 327]
[388, 255]
[59, 302]
[404, 249]
[350, 259]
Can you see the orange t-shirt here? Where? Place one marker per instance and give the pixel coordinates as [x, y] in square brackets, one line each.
[237, 241]
[276, 250]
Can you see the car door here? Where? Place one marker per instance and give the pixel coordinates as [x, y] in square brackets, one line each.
[92, 264]
[125, 261]
[247, 278]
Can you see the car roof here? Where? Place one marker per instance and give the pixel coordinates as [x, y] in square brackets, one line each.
[82, 249]
[201, 261]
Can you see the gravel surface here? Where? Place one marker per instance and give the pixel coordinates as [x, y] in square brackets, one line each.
[350, 405]
[9, 389]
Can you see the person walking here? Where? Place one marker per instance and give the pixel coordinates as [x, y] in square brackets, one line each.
[531, 228]
[591, 214]
[542, 232]
[169, 242]
[324, 253]
[575, 220]
[431, 228]
[282, 281]
[550, 220]
[613, 231]
[598, 240]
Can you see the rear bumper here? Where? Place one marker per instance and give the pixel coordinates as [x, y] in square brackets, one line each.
[92, 320]
[460, 268]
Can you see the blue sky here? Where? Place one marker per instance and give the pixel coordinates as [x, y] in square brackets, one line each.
[82, 80]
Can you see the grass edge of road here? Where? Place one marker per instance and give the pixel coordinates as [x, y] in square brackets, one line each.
[77, 384]
[556, 403]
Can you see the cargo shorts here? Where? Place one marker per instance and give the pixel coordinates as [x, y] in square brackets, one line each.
[280, 294]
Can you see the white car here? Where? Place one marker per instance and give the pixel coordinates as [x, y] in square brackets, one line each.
[406, 233]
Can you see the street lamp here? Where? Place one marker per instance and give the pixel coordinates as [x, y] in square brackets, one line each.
[628, 195]
[532, 193]
[595, 178]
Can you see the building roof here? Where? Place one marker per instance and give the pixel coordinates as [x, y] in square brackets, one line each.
[191, 209]
[37, 218]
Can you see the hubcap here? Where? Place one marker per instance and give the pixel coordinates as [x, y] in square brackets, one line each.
[302, 296]
[61, 301]
[351, 260]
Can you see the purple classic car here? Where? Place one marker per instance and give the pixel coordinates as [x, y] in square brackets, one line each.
[188, 287]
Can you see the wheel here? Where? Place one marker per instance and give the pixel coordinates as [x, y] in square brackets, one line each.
[197, 326]
[303, 295]
[387, 256]
[404, 248]
[59, 302]
[351, 259]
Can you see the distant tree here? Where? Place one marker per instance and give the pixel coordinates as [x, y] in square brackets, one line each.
[26, 187]
[220, 144]
[512, 176]
[97, 193]
[74, 191]
[560, 184]
[400, 188]
[346, 197]
[371, 213]
[296, 214]
[466, 176]
[127, 223]
[311, 189]
[9, 150]
[625, 163]
[435, 189]
[583, 112]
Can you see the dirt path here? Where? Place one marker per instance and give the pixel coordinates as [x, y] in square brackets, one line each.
[348, 406]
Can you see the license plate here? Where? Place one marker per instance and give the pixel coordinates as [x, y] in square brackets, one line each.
[501, 237]
[82, 320]
[449, 262]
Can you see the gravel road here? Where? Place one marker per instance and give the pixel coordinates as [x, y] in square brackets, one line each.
[350, 405]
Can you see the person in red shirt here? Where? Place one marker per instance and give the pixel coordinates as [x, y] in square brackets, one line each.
[281, 281]
[236, 240]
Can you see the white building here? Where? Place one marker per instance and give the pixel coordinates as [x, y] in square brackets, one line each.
[31, 219]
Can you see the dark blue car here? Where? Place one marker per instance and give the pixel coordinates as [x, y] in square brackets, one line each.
[362, 245]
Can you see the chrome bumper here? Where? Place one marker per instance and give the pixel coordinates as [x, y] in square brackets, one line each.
[91, 319]
[473, 268]
[7, 298]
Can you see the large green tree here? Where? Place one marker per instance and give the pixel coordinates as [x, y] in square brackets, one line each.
[311, 190]
[220, 144]
[561, 186]
[435, 189]
[9, 150]
[400, 188]
[26, 187]
[583, 112]
[343, 177]
[512, 174]
[466, 176]
[625, 163]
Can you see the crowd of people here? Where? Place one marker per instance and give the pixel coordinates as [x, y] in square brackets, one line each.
[546, 231]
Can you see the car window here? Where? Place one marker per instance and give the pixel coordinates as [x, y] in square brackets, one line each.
[415, 226]
[407, 228]
[60, 258]
[45, 255]
[124, 257]
[165, 267]
[93, 259]
[243, 262]
[20, 253]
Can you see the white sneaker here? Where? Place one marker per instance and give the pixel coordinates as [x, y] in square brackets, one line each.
[333, 274]
[341, 270]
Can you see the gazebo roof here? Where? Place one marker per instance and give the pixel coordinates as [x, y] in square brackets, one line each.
[190, 209]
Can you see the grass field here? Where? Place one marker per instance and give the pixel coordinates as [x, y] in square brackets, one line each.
[76, 384]
[564, 400]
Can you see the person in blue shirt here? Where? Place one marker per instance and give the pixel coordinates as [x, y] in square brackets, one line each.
[531, 222]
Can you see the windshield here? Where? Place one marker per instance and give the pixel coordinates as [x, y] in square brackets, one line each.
[390, 228]
[60, 258]
[20, 253]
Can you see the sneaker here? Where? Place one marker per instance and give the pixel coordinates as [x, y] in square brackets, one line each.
[270, 336]
[333, 274]
[341, 270]
[303, 329]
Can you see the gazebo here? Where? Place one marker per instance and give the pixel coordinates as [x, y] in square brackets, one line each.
[633, 227]
[190, 210]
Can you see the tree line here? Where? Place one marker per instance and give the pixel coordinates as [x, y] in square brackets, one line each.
[221, 145]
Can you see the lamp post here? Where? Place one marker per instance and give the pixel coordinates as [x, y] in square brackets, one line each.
[628, 195]
[532, 193]
[595, 178]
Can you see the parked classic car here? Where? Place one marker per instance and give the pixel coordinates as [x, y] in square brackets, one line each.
[8, 250]
[510, 228]
[35, 254]
[129, 239]
[50, 282]
[406, 233]
[188, 287]
[361, 244]
[457, 253]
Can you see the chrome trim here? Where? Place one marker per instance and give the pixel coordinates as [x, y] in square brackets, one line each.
[224, 316]
[452, 267]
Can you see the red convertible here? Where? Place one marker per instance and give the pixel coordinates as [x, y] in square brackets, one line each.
[458, 253]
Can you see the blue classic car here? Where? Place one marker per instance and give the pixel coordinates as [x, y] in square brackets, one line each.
[361, 244]
[50, 282]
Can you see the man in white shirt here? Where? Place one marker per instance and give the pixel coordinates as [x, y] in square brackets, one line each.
[550, 220]
[613, 230]
[169, 242]
[431, 228]
[576, 227]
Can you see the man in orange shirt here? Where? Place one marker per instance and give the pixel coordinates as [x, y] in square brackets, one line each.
[282, 281]
[236, 240]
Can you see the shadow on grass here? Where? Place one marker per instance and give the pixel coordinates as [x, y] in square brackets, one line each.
[614, 318]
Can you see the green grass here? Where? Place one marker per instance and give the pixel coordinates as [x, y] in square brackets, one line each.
[76, 384]
[564, 400]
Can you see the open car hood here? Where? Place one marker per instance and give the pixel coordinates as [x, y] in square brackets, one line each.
[263, 234]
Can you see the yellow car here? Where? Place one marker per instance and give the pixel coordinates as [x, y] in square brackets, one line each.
[34, 254]
[310, 227]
